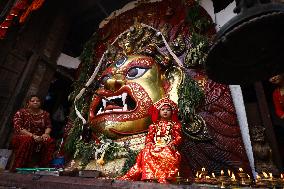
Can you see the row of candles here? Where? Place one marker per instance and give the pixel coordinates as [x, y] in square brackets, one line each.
[231, 180]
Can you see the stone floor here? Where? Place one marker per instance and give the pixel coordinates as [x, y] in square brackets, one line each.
[31, 181]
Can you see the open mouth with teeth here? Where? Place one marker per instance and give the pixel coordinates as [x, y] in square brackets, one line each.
[120, 103]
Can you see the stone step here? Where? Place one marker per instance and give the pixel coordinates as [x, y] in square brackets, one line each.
[31, 181]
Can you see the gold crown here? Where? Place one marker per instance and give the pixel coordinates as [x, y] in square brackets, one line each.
[145, 40]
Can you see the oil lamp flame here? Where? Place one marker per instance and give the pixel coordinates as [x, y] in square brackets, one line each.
[213, 175]
[265, 174]
[202, 169]
[222, 172]
[241, 169]
[197, 174]
[233, 177]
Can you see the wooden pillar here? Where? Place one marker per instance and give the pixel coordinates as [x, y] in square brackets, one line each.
[267, 123]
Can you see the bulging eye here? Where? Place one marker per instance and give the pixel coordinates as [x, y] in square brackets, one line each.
[136, 72]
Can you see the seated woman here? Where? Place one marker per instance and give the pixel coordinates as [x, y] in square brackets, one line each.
[32, 127]
[159, 160]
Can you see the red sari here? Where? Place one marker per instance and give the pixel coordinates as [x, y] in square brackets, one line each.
[159, 160]
[278, 101]
[25, 146]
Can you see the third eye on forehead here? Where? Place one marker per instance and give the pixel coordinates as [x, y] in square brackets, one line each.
[120, 62]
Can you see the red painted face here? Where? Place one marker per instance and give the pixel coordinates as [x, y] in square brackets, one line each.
[127, 90]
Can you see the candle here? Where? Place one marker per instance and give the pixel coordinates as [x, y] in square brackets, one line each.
[178, 178]
[222, 172]
[213, 175]
[229, 172]
[240, 169]
[233, 177]
[234, 181]
[282, 179]
[196, 174]
[202, 169]
[272, 181]
[259, 182]
[265, 174]
[270, 175]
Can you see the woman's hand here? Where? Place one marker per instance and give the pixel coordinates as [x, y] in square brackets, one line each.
[37, 138]
[45, 136]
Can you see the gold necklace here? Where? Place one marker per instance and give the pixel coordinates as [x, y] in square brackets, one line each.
[35, 113]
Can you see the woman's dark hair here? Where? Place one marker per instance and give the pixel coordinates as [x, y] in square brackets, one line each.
[31, 96]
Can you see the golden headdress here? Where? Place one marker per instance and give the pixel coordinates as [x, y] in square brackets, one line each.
[143, 39]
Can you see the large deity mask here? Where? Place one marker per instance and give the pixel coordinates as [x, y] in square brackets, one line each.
[128, 87]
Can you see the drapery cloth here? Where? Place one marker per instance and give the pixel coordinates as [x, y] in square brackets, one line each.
[278, 101]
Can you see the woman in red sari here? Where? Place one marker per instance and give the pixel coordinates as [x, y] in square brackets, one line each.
[159, 160]
[278, 95]
[32, 127]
